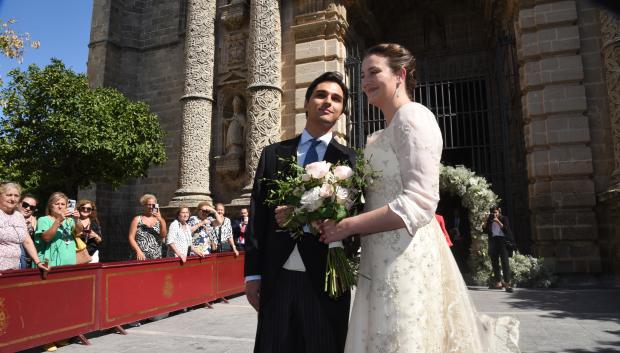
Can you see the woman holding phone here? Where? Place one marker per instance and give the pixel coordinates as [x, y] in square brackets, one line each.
[53, 237]
[88, 228]
[147, 231]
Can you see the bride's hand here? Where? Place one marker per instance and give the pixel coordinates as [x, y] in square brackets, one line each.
[332, 231]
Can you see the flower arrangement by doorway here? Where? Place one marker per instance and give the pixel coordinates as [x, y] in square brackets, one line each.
[476, 195]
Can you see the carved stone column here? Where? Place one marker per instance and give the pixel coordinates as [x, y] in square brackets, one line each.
[610, 33]
[197, 104]
[264, 92]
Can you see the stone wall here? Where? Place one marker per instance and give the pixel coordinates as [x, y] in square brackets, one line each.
[558, 136]
[319, 47]
[600, 128]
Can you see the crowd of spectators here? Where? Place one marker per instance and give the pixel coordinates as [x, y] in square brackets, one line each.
[70, 232]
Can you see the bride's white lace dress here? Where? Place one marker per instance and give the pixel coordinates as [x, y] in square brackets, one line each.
[411, 296]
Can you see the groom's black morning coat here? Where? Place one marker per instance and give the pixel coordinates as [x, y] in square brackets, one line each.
[268, 246]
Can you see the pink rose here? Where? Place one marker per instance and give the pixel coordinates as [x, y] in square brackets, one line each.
[327, 190]
[318, 170]
[343, 172]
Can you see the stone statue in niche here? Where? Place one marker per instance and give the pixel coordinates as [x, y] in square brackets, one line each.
[235, 134]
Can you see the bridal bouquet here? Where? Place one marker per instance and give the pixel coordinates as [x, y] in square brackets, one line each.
[320, 191]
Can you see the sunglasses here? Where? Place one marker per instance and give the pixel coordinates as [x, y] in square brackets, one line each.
[86, 209]
[205, 210]
[27, 206]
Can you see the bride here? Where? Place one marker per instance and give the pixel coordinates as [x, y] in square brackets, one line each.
[410, 296]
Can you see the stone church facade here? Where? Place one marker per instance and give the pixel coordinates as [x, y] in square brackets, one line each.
[526, 93]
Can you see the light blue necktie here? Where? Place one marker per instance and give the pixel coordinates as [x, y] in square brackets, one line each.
[312, 156]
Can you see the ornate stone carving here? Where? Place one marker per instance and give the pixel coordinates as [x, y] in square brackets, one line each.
[264, 47]
[197, 103]
[610, 33]
[264, 92]
[234, 14]
[235, 49]
[264, 118]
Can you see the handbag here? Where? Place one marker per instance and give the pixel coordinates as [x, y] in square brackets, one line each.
[82, 257]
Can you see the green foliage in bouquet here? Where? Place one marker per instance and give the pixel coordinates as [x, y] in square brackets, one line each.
[476, 195]
[285, 188]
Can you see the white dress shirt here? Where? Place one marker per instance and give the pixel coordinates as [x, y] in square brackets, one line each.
[496, 230]
[294, 261]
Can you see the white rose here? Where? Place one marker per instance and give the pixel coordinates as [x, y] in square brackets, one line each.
[305, 177]
[318, 170]
[311, 199]
[327, 190]
[342, 195]
[343, 172]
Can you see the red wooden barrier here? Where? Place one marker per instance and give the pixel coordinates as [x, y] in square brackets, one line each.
[75, 300]
[230, 275]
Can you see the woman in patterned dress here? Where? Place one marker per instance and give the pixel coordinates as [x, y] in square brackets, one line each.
[222, 232]
[202, 224]
[13, 230]
[147, 231]
[179, 238]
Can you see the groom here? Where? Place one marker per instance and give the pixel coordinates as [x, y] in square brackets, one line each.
[285, 278]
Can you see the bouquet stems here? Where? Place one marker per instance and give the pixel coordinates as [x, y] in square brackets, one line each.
[339, 276]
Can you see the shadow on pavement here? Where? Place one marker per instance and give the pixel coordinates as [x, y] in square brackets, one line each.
[596, 304]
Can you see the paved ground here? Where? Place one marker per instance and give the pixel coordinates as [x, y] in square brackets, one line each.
[571, 321]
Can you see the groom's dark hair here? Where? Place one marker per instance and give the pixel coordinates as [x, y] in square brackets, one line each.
[331, 76]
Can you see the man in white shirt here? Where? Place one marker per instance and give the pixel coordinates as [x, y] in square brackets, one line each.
[285, 277]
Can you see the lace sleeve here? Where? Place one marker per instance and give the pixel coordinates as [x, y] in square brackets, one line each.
[417, 143]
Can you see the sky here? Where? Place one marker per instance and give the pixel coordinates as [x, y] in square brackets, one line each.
[62, 27]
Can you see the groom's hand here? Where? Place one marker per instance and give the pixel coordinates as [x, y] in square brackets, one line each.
[282, 213]
[252, 292]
